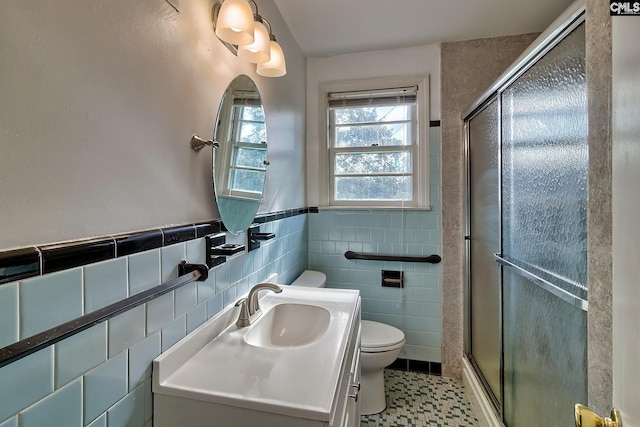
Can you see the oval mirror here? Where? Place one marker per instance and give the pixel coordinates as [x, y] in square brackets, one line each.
[239, 163]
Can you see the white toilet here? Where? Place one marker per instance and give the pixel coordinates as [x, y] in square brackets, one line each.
[380, 346]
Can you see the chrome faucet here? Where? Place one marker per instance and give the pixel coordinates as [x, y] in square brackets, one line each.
[250, 307]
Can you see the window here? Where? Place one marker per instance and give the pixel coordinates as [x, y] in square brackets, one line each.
[375, 156]
[247, 153]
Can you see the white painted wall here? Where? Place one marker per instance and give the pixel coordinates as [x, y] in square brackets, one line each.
[626, 205]
[411, 61]
[98, 102]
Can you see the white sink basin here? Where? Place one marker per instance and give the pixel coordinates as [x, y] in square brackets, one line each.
[287, 362]
[289, 325]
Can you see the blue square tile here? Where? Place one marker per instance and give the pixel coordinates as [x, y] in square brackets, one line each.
[11, 422]
[8, 314]
[62, 408]
[214, 306]
[105, 283]
[104, 386]
[140, 357]
[50, 300]
[206, 289]
[148, 400]
[170, 258]
[160, 312]
[126, 329]
[222, 278]
[174, 332]
[25, 381]
[79, 353]
[196, 317]
[101, 421]
[196, 251]
[229, 296]
[129, 411]
[186, 298]
[144, 271]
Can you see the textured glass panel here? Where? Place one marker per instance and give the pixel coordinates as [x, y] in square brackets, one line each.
[545, 355]
[373, 188]
[373, 163]
[544, 134]
[484, 169]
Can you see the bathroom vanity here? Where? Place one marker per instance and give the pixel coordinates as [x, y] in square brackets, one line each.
[296, 365]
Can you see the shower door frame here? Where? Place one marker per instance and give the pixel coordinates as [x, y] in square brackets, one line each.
[572, 18]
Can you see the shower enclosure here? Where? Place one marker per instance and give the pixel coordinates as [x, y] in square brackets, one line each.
[527, 234]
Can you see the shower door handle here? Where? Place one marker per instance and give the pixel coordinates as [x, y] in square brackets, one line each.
[585, 417]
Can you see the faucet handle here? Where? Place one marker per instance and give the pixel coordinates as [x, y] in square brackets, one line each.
[244, 317]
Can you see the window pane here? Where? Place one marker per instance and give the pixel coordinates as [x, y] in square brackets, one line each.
[252, 113]
[247, 180]
[373, 163]
[369, 135]
[373, 188]
[252, 132]
[250, 157]
[381, 114]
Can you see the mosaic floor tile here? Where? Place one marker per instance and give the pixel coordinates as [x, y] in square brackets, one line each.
[419, 400]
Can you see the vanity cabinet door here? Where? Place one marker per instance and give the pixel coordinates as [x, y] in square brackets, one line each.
[353, 406]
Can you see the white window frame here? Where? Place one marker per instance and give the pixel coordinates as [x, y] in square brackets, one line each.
[419, 149]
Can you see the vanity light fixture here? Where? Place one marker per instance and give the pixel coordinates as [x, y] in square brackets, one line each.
[234, 22]
[275, 66]
[231, 27]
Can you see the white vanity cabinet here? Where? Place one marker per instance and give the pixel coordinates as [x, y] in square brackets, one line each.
[213, 377]
[347, 412]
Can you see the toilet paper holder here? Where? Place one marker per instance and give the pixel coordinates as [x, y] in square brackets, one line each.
[392, 279]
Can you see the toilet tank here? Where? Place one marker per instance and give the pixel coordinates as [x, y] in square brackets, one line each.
[311, 279]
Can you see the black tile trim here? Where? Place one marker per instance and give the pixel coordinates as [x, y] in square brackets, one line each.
[434, 123]
[23, 263]
[179, 234]
[19, 264]
[139, 242]
[433, 368]
[64, 256]
[205, 229]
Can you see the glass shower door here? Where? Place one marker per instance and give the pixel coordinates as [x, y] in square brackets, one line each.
[544, 241]
[484, 350]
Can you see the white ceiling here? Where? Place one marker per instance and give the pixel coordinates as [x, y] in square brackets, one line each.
[330, 27]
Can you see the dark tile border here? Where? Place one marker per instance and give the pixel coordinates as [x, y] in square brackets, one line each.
[19, 264]
[69, 255]
[433, 368]
[22, 263]
[138, 242]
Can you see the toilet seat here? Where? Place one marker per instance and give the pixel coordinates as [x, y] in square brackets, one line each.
[378, 337]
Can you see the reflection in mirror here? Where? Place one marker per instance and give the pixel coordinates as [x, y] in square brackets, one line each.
[239, 163]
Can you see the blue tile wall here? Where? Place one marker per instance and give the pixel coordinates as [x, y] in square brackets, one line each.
[102, 376]
[416, 308]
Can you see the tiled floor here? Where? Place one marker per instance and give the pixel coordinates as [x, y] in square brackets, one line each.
[416, 400]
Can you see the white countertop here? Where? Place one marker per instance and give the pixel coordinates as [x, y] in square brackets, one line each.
[216, 365]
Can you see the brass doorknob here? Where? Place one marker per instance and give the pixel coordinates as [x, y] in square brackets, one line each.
[585, 417]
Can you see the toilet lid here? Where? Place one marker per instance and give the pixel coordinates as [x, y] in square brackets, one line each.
[376, 335]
